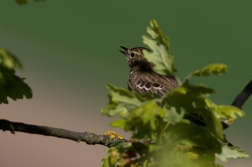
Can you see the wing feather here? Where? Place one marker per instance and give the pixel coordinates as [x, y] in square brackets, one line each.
[150, 82]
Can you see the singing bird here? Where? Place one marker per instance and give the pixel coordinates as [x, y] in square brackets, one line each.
[142, 79]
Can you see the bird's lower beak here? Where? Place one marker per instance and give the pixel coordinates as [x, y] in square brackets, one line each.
[124, 48]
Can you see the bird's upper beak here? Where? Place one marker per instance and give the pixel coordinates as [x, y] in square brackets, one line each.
[126, 49]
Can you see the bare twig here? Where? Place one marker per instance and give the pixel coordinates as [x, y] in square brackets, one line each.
[108, 139]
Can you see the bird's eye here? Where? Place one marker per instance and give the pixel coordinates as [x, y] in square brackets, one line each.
[132, 54]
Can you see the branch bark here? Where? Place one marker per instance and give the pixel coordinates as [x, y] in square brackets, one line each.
[243, 96]
[239, 101]
[110, 139]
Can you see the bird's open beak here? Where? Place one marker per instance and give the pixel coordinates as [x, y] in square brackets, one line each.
[126, 49]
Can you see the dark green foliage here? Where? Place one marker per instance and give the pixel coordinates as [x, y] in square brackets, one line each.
[161, 136]
[10, 84]
[21, 2]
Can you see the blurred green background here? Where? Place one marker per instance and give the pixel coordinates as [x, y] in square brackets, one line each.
[70, 51]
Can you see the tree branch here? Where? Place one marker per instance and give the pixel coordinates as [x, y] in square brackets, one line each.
[110, 139]
[239, 101]
[243, 96]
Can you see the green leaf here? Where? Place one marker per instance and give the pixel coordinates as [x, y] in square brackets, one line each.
[231, 152]
[122, 101]
[111, 158]
[17, 88]
[185, 137]
[11, 85]
[213, 124]
[193, 99]
[120, 123]
[224, 112]
[8, 60]
[210, 69]
[172, 116]
[142, 120]
[189, 96]
[160, 45]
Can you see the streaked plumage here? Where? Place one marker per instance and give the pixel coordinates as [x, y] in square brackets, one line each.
[142, 79]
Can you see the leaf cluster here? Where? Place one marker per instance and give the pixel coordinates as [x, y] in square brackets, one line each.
[11, 85]
[182, 128]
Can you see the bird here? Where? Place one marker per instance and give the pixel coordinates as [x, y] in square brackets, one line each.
[142, 79]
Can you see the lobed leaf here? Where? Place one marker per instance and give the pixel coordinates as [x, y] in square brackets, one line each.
[231, 152]
[172, 116]
[210, 69]
[120, 123]
[189, 96]
[160, 45]
[142, 120]
[183, 139]
[14, 87]
[11, 85]
[8, 60]
[224, 111]
[193, 99]
[227, 114]
[185, 133]
[122, 101]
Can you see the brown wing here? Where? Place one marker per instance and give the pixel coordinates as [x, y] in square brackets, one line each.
[150, 82]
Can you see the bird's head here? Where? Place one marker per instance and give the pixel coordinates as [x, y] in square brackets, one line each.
[135, 56]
